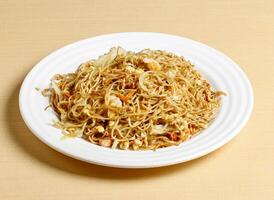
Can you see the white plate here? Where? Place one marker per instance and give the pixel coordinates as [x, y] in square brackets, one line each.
[221, 71]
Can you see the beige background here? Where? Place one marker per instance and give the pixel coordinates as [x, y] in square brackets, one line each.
[242, 169]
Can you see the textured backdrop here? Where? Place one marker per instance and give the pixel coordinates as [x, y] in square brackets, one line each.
[242, 169]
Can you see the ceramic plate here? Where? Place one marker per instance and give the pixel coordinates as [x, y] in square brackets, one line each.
[221, 71]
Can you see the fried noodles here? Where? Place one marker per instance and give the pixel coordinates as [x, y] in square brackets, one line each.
[138, 101]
